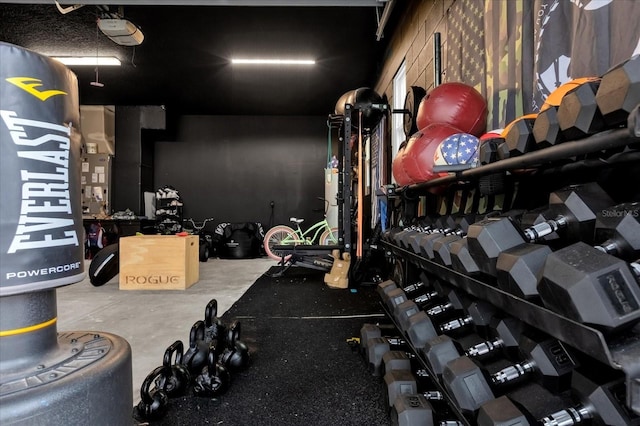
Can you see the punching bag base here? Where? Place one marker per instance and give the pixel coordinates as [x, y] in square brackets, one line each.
[93, 385]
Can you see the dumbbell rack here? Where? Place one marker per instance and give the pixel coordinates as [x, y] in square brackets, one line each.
[621, 352]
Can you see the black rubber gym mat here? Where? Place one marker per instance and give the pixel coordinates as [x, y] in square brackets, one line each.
[303, 371]
[301, 293]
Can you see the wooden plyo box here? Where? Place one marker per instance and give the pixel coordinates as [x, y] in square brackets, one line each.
[158, 262]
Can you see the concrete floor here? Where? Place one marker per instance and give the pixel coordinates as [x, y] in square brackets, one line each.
[152, 320]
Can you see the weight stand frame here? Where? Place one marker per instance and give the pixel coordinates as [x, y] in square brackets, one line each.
[299, 253]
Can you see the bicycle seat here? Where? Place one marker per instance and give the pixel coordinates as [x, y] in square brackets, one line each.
[296, 220]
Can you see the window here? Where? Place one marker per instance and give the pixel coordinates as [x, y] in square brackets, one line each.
[399, 93]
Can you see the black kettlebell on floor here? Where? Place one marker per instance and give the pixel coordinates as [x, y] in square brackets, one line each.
[153, 402]
[196, 356]
[214, 327]
[175, 377]
[233, 332]
[235, 357]
[214, 378]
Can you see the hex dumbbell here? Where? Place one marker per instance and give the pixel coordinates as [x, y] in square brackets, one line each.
[398, 382]
[442, 349]
[470, 386]
[617, 228]
[455, 230]
[461, 258]
[479, 314]
[377, 347]
[416, 410]
[596, 404]
[369, 331]
[583, 283]
[425, 225]
[573, 210]
[618, 231]
[619, 91]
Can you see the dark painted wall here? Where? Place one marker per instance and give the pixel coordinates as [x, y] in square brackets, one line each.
[137, 128]
[232, 167]
[125, 193]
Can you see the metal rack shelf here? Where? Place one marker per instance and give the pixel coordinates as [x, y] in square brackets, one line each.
[600, 142]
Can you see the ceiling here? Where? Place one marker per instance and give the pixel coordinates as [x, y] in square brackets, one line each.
[184, 60]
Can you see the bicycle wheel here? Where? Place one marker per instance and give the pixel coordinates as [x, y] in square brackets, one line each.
[274, 237]
[329, 237]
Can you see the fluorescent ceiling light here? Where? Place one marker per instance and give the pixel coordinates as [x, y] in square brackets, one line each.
[88, 60]
[273, 61]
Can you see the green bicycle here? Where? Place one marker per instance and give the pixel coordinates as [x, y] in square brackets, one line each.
[281, 235]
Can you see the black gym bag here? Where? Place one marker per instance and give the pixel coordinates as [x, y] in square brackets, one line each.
[104, 265]
[238, 240]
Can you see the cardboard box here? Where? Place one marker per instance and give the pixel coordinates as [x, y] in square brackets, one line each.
[159, 262]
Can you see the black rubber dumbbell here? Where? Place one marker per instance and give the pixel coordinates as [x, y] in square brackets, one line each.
[375, 345]
[398, 382]
[618, 231]
[471, 386]
[397, 360]
[596, 404]
[478, 314]
[582, 283]
[404, 307]
[461, 259]
[573, 209]
[416, 410]
[413, 242]
[441, 247]
[368, 331]
[420, 328]
[617, 228]
[442, 349]
[408, 308]
[398, 296]
[458, 228]
[425, 225]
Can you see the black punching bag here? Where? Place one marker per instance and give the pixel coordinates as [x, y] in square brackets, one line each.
[366, 100]
[47, 378]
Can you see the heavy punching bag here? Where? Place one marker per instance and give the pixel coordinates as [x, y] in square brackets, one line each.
[47, 378]
[363, 99]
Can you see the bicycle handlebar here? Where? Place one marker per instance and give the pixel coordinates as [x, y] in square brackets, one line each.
[196, 227]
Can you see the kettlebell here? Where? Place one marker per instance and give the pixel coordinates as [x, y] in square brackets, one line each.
[214, 327]
[196, 356]
[175, 378]
[236, 356]
[233, 333]
[214, 378]
[153, 402]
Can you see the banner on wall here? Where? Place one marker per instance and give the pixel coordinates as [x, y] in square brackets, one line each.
[465, 44]
[487, 49]
[580, 38]
[516, 52]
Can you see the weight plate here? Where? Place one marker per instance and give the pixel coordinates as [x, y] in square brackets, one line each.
[411, 104]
